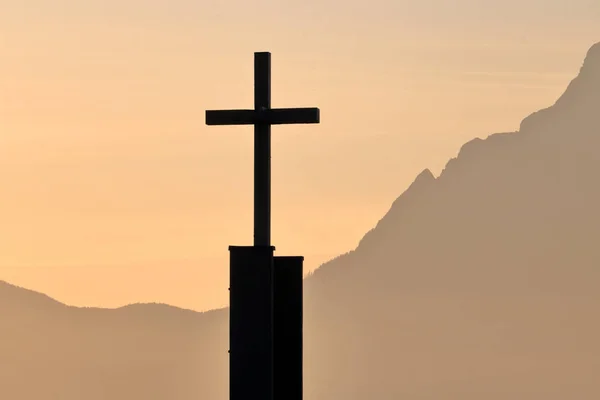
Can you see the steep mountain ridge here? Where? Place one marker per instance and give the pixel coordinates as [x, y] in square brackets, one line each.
[511, 190]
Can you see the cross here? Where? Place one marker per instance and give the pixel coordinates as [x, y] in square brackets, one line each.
[262, 117]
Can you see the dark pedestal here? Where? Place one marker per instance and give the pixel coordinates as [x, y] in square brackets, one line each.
[287, 314]
[251, 323]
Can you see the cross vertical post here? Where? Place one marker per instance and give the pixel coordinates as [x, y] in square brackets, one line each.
[265, 298]
[262, 151]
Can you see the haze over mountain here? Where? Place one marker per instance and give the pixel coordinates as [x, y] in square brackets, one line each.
[108, 171]
[478, 284]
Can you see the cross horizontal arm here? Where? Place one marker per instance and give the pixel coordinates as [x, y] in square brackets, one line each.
[230, 117]
[277, 116]
[280, 116]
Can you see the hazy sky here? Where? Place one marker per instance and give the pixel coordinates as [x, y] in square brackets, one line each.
[112, 189]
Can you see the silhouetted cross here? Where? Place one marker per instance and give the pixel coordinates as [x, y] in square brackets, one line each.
[262, 117]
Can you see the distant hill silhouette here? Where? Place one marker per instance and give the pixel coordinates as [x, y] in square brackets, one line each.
[479, 284]
[142, 351]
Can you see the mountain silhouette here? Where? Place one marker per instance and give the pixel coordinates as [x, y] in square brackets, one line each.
[478, 284]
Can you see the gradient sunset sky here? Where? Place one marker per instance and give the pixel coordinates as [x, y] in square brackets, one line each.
[113, 190]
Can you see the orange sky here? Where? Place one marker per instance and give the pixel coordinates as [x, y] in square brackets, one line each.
[112, 189]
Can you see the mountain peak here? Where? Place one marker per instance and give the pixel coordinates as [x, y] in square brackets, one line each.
[423, 178]
[587, 82]
[416, 192]
[577, 108]
[421, 183]
[592, 59]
